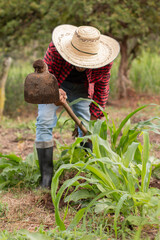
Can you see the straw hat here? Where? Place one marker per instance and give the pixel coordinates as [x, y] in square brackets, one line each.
[84, 46]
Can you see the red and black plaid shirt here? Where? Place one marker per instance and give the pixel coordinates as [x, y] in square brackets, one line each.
[98, 79]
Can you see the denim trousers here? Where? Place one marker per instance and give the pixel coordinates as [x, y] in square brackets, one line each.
[47, 118]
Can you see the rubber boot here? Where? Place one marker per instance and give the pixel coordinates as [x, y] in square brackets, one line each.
[45, 157]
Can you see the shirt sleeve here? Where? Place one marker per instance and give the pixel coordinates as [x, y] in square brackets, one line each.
[53, 60]
[101, 90]
[49, 58]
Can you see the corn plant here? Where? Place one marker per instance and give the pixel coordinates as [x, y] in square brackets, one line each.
[115, 177]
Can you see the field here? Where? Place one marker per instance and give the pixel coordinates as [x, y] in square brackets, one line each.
[110, 193]
[111, 190]
[28, 208]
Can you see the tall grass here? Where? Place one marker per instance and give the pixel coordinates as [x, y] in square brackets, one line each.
[15, 86]
[144, 74]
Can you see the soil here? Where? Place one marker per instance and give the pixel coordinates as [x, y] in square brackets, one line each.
[30, 209]
[20, 141]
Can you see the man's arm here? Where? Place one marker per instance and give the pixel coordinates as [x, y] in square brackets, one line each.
[101, 90]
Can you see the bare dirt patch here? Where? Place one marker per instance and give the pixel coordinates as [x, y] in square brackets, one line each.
[26, 211]
[29, 210]
[10, 143]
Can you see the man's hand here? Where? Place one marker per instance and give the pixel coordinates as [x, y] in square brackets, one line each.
[62, 97]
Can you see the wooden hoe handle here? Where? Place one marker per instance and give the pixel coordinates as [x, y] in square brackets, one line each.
[75, 118]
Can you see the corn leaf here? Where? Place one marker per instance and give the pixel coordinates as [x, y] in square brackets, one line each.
[146, 165]
[148, 124]
[77, 218]
[57, 196]
[131, 186]
[116, 134]
[129, 154]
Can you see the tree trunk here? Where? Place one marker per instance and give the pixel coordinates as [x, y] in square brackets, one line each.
[123, 80]
[3, 79]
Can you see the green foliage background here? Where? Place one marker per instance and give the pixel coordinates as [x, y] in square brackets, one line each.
[144, 75]
[23, 21]
[26, 28]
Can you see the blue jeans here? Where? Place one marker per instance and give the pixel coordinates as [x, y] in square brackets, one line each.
[47, 118]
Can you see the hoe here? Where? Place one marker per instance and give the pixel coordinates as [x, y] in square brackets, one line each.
[41, 87]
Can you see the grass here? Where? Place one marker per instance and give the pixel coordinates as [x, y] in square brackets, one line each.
[15, 87]
[144, 74]
[8, 122]
[52, 234]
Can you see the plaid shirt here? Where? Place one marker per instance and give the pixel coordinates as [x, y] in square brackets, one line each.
[97, 79]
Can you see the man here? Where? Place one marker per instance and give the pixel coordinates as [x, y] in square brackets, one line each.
[81, 59]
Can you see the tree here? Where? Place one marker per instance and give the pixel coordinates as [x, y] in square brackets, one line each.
[21, 23]
[3, 79]
[130, 22]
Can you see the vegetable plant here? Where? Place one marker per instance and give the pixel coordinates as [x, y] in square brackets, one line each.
[113, 178]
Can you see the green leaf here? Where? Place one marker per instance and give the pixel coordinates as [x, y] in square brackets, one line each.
[156, 172]
[148, 124]
[129, 154]
[146, 164]
[140, 221]
[77, 218]
[56, 197]
[103, 177]
[80, 194]
[4, 163]
[116, 134]
[141, 198]
[95, 143]
[33, 235]
[4, 184]
[127, 127]
[131, 183]
[12, 157]
[118, 208]
[104, 205]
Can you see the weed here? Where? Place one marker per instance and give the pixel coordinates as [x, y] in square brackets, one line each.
[18, 173]
[55, 234]
[8, 122]
[3, 209]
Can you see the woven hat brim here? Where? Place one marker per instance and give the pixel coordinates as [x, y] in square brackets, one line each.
[108, 51]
